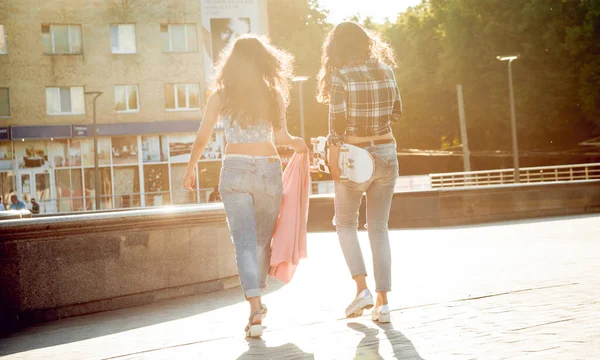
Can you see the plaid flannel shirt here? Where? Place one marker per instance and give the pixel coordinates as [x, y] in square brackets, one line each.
[364, 99]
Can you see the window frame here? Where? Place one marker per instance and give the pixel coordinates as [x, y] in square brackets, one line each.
[9, 107]
[71, 101]
[3, 34]
[53, 43]
[127, 86]
[185, 38]
[187, 97]
[134, 40]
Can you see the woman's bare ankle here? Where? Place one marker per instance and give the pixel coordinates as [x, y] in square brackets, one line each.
[381, 299]
[257, 319]
[361, 283]
[255, 308]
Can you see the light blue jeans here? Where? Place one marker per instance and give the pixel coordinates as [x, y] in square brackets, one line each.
[379, 190]
[251, 189]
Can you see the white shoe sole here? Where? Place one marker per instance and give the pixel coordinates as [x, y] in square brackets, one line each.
[382, 318]
[255, 331]
[364, 304]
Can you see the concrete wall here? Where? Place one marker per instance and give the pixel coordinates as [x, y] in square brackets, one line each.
[27, 71]
[469, 206]
[55, 267]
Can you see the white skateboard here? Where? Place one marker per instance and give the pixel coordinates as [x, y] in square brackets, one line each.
[356, 164]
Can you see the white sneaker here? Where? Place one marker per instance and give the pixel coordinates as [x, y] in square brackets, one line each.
[381, 314]
[364, 300]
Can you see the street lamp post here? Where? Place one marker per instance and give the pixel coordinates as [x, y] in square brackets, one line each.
[96, 169]
[300, 80]
[513, 123]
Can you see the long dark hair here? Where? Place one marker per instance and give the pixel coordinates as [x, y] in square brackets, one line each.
[346, 44]
[250, 77]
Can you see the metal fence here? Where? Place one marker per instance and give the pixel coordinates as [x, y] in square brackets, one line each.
[540, 174]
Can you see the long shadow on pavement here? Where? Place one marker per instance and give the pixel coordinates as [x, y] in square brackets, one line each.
[90, 326]
[368, 348]
[258, 349]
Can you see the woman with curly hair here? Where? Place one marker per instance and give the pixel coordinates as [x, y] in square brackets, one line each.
[250, 98]
[357, 81]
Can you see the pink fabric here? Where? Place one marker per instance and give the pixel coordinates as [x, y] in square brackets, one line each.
[288, 245]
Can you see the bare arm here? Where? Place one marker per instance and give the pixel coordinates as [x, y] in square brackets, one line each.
[209, 120]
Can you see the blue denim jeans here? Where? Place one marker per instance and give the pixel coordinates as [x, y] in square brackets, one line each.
[251, 189]
[379, 190]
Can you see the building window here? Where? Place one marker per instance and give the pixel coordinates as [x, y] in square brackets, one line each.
[127, 98]
[122, 37]
[4, 102]
[61, 39]
[182, 96]
[65, 100]
[179, 38]
[2, 40]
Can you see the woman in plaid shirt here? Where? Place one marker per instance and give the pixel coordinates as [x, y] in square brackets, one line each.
[357, 81]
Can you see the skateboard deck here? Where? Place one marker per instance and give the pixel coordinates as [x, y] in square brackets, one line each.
[356, 164]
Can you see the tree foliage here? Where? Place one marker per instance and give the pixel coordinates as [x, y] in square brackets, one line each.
[299, 26]
[441, 43]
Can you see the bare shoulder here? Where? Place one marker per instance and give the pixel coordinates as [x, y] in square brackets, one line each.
[214, 100]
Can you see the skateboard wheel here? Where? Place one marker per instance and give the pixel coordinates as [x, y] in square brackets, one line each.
[344, 149]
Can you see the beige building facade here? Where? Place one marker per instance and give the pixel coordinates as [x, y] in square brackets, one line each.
[152, 62]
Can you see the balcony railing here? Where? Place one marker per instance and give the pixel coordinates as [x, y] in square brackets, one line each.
[539, 174]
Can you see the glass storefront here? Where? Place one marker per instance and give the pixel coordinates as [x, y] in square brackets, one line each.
[134, 171]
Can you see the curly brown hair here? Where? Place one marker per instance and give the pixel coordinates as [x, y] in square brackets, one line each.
[349, 43]
[251, 75]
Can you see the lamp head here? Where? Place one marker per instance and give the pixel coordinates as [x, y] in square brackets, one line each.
[300, 78]
[507, 57]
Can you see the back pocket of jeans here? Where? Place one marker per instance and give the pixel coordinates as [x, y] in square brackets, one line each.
[387, 165]
[232, 180]
[273, 183]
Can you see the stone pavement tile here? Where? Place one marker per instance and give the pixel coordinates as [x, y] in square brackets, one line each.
[519, 290]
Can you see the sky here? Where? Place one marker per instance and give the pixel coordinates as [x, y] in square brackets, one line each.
[378, 9]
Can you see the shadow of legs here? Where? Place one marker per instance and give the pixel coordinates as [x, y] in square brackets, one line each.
[368, 347]
[403, 347]
[258, 349]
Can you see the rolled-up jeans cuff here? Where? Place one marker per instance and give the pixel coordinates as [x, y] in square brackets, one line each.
[359, 273]
[253, 293]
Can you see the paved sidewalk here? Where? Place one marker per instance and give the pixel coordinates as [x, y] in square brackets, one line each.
[520, 290]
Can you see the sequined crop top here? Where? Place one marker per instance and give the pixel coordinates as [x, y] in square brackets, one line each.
[235, 134]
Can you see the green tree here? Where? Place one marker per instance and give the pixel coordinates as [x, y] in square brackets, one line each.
[441, 43]
[583, 42]
[299, 26]
[417, 43]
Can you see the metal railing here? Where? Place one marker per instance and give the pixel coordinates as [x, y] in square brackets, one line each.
[403, 184]
[539, 174]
